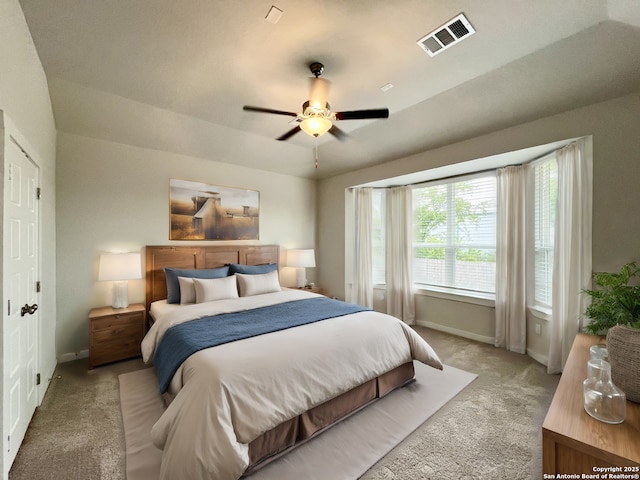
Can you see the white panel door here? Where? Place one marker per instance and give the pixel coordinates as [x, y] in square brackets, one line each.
[21, 243]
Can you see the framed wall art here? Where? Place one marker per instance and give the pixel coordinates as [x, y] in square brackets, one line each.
[198, 211]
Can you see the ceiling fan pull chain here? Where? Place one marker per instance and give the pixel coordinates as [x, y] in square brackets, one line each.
[316, 152]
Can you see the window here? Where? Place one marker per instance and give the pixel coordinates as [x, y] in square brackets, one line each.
[454, 231]
[545, 200]
[454, 228]
[378, 236]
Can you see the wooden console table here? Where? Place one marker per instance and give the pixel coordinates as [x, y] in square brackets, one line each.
[575, 443]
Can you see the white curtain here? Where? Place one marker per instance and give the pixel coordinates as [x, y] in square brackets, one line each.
[362, 291]
[511, 255]
[399, 225]
[572, 255]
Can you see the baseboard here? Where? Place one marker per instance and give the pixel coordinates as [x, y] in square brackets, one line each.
[455, 331]
[69, 357]
[543, 359]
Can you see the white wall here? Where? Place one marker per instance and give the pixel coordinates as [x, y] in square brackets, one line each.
[616, 230]
[115, 197]
[24, 98]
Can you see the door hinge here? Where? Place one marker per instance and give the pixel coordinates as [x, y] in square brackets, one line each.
[38, 193]
[38, 286]
[37, 379]
[8, 307]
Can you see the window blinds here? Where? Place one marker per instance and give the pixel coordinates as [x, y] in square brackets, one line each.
[454, 229]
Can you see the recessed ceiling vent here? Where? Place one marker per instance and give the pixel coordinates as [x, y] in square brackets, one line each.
[447, 35]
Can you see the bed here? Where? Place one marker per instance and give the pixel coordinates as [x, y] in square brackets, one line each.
[251, 397]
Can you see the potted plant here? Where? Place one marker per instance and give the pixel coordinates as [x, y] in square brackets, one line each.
[615, 310]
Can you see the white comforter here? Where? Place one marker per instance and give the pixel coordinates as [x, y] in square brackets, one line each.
[230, 394]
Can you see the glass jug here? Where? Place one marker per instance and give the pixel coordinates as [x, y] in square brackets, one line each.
[602, 399]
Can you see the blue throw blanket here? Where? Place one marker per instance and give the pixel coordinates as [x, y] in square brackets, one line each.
[179, 342]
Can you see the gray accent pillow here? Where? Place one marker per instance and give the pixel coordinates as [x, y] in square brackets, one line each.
[173, 285]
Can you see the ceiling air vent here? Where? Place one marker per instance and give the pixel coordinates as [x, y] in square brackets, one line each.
[443, 37]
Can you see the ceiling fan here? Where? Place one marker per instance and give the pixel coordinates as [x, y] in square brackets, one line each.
[316, 117]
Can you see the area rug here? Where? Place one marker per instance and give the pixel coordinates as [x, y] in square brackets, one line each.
[345, 451]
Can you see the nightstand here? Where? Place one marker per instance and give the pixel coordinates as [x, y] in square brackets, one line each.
[115, 333]
[317, 290]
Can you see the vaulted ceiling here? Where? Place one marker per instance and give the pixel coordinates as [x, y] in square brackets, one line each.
[174, 75]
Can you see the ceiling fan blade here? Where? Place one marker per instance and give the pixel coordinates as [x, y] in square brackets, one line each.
[339, 134]
[249, 108]
[289, 134]
[363, 114]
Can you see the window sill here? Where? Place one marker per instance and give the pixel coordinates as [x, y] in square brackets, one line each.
[476, 298]
[539, 312]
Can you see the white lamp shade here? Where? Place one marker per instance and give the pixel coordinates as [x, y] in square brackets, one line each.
[119, 266]
[301, 258]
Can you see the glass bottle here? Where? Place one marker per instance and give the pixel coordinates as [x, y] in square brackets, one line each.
[594, 368]
[599, 351]
[602, 399]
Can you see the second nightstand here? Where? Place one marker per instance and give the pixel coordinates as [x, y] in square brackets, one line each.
[317, 290]
[115, 333]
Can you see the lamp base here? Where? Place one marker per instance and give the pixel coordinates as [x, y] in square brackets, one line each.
[301, 277]
[120, 294]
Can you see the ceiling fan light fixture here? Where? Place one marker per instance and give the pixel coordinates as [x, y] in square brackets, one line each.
[316, 117]
[319, 93]
[316, 126]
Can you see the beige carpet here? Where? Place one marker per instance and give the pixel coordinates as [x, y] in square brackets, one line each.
[353, 446]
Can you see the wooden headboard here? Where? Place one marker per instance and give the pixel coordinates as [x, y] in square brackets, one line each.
[212, 256]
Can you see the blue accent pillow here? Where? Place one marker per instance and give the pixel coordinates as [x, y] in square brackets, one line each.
[173, 285]
[252, 269]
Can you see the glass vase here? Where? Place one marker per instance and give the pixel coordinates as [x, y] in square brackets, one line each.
[602, 399]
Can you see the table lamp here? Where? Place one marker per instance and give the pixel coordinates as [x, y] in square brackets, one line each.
[120, 268]
[301, 259]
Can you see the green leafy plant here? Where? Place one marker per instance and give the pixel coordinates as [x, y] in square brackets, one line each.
[616, 302]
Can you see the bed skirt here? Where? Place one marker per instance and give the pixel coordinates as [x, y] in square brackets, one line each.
[294, 432]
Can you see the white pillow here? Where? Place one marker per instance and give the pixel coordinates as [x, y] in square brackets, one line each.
[187, 290]
[211, 289]
[258, 284]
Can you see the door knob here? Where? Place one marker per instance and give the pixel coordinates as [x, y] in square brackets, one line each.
[28, 309]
